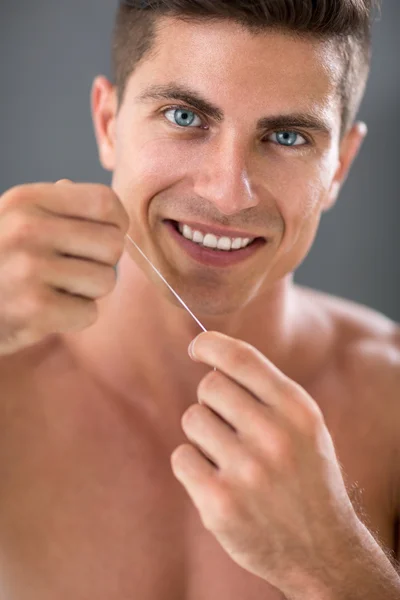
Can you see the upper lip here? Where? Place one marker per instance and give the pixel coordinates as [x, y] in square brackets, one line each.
[218, 231]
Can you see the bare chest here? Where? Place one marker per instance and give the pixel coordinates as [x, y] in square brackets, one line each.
[89, 507]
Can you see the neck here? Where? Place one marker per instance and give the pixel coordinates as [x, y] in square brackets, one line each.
[140, 338]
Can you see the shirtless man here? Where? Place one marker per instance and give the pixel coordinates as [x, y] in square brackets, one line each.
[130, 470]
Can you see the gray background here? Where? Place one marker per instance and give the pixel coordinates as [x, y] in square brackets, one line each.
[51, 51]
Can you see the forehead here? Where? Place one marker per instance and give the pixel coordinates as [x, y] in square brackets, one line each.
[225, 60]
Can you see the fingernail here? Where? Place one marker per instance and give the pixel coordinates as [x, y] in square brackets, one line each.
[191, 350]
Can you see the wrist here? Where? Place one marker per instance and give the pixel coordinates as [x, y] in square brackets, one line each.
[358, 570]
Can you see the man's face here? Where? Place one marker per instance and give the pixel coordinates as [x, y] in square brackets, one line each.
[271, 179]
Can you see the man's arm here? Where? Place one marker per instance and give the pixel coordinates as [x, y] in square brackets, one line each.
[367, 571]
[371, 575]
[258, 507]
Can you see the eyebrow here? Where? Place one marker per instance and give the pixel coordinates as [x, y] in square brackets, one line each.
[173, 91]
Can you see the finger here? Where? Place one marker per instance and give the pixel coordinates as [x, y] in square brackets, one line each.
[195, 473]
[244, 364]
[84, 239]
[68, 237]
[192, 469]
[70, 313]
[53, 311]
[93, 202]
[235, 405]
[212, 435]
[79, 277]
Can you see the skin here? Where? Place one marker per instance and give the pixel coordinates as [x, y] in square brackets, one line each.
[133, 486]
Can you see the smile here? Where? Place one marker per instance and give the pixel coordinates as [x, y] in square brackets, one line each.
[210, 249]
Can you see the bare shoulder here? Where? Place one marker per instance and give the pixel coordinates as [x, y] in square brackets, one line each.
[366, 359]
[366, 341]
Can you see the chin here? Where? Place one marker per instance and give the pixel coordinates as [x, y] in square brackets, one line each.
[204, 305]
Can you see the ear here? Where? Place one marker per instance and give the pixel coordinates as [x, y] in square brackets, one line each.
[349, 148]
[104, 107]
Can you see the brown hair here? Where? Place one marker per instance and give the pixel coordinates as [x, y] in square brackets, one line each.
[347, 22]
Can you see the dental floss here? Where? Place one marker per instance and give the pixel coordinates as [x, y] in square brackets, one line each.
[166, 282]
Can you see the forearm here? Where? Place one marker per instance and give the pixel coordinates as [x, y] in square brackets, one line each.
[361, 572]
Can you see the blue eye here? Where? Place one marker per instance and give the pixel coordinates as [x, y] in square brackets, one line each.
[182, 116]
[289, 138]
[185, 118]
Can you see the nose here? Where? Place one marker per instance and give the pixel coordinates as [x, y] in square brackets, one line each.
[223, 177]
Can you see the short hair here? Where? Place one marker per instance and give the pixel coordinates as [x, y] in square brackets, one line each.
[347, 22]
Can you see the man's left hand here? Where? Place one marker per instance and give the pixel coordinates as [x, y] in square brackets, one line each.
[261, 468]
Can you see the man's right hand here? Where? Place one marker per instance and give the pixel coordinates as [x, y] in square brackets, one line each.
[59, 244]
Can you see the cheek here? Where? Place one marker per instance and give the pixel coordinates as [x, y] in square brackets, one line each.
[313, 182]
[299, 198]
[298, 194]
[149, 153]
[166, 159]
[153, 165]
[144, 168]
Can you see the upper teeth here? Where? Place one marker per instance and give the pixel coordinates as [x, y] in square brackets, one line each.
[212, 241]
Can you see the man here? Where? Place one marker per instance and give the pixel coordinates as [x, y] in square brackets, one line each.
[129, 469]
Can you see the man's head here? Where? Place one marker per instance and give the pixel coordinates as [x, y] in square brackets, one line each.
[347, 23]
[267, 92]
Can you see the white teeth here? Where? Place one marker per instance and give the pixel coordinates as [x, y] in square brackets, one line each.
[198, 237]
[209, 240]
[187, 232]
[236, 244]
[224, 243]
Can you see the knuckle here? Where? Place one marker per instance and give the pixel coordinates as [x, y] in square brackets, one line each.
[281, 451]
[30, 315]
[252, 473]
[108, 281]
[221, 511]
[21, 227]
[240, 355]
[312, 420]
[308, 415]
[27, 267]
[314, 414]
[115, 246]
[15, 196]
[35, 305]
[109, 205]
[105, 201]
[284, 386]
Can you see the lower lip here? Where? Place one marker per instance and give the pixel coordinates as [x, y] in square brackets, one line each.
[214, 258]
